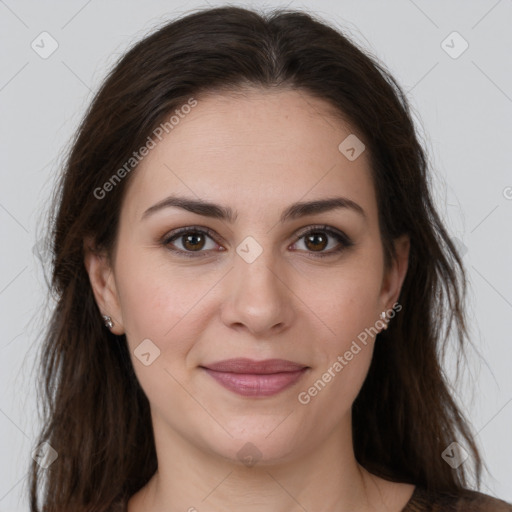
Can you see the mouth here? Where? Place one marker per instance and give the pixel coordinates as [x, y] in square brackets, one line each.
[247, 377]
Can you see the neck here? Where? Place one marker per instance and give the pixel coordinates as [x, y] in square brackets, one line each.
[326, 477]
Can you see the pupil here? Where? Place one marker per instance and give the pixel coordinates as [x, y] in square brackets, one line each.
[316, 236]
[191, 240]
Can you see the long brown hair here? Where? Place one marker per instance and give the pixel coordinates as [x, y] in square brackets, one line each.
[95, 414]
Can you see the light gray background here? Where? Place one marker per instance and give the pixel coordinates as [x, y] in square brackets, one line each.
[463, 108]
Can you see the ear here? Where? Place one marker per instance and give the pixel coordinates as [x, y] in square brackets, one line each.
[103, 284]
[395, 274]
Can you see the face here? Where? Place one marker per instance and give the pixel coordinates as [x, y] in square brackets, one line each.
[191, 287]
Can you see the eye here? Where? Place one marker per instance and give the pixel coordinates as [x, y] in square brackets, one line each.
[316, 239]
[192, 240]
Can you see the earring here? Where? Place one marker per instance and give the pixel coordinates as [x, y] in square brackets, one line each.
[108, 321]
[383, 318]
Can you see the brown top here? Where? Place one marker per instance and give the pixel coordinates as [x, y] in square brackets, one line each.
[469, 501]
[423, 501]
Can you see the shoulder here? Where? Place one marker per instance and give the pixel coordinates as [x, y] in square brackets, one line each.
[462, 501]
[477, 501]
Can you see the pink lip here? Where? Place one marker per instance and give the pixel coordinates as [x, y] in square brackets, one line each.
[256, 378]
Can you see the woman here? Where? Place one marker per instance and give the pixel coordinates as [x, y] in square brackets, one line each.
[253, 284]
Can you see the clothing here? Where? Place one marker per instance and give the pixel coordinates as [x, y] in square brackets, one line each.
[469, 501]
[422, 501]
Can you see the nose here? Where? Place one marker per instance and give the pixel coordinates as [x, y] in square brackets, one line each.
[258, 297]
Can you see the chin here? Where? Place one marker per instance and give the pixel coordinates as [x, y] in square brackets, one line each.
[252, 444]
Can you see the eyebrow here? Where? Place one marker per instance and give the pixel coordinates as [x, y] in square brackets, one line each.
[216, 211]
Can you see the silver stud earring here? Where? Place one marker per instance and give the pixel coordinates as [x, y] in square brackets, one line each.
[108, 321]
[383, 318]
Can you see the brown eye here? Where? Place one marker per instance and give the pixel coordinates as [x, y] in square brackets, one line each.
[316, 241]
[193, 242]
[190, 241]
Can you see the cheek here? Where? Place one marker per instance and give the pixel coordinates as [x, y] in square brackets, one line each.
[144, 295]
[343, 358]
[158, 305]
[351, 304]
[162, 303]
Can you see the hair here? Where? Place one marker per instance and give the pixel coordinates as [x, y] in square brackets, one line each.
[95, 414]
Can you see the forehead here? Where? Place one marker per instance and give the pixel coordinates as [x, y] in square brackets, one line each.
[258, 149]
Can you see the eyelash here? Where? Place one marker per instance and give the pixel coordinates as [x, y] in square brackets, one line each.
[343, 239]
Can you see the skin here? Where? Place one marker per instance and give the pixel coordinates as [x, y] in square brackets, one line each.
[256, 153]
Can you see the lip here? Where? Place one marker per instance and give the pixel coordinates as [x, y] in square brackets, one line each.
[245, 365]
[247, 377]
